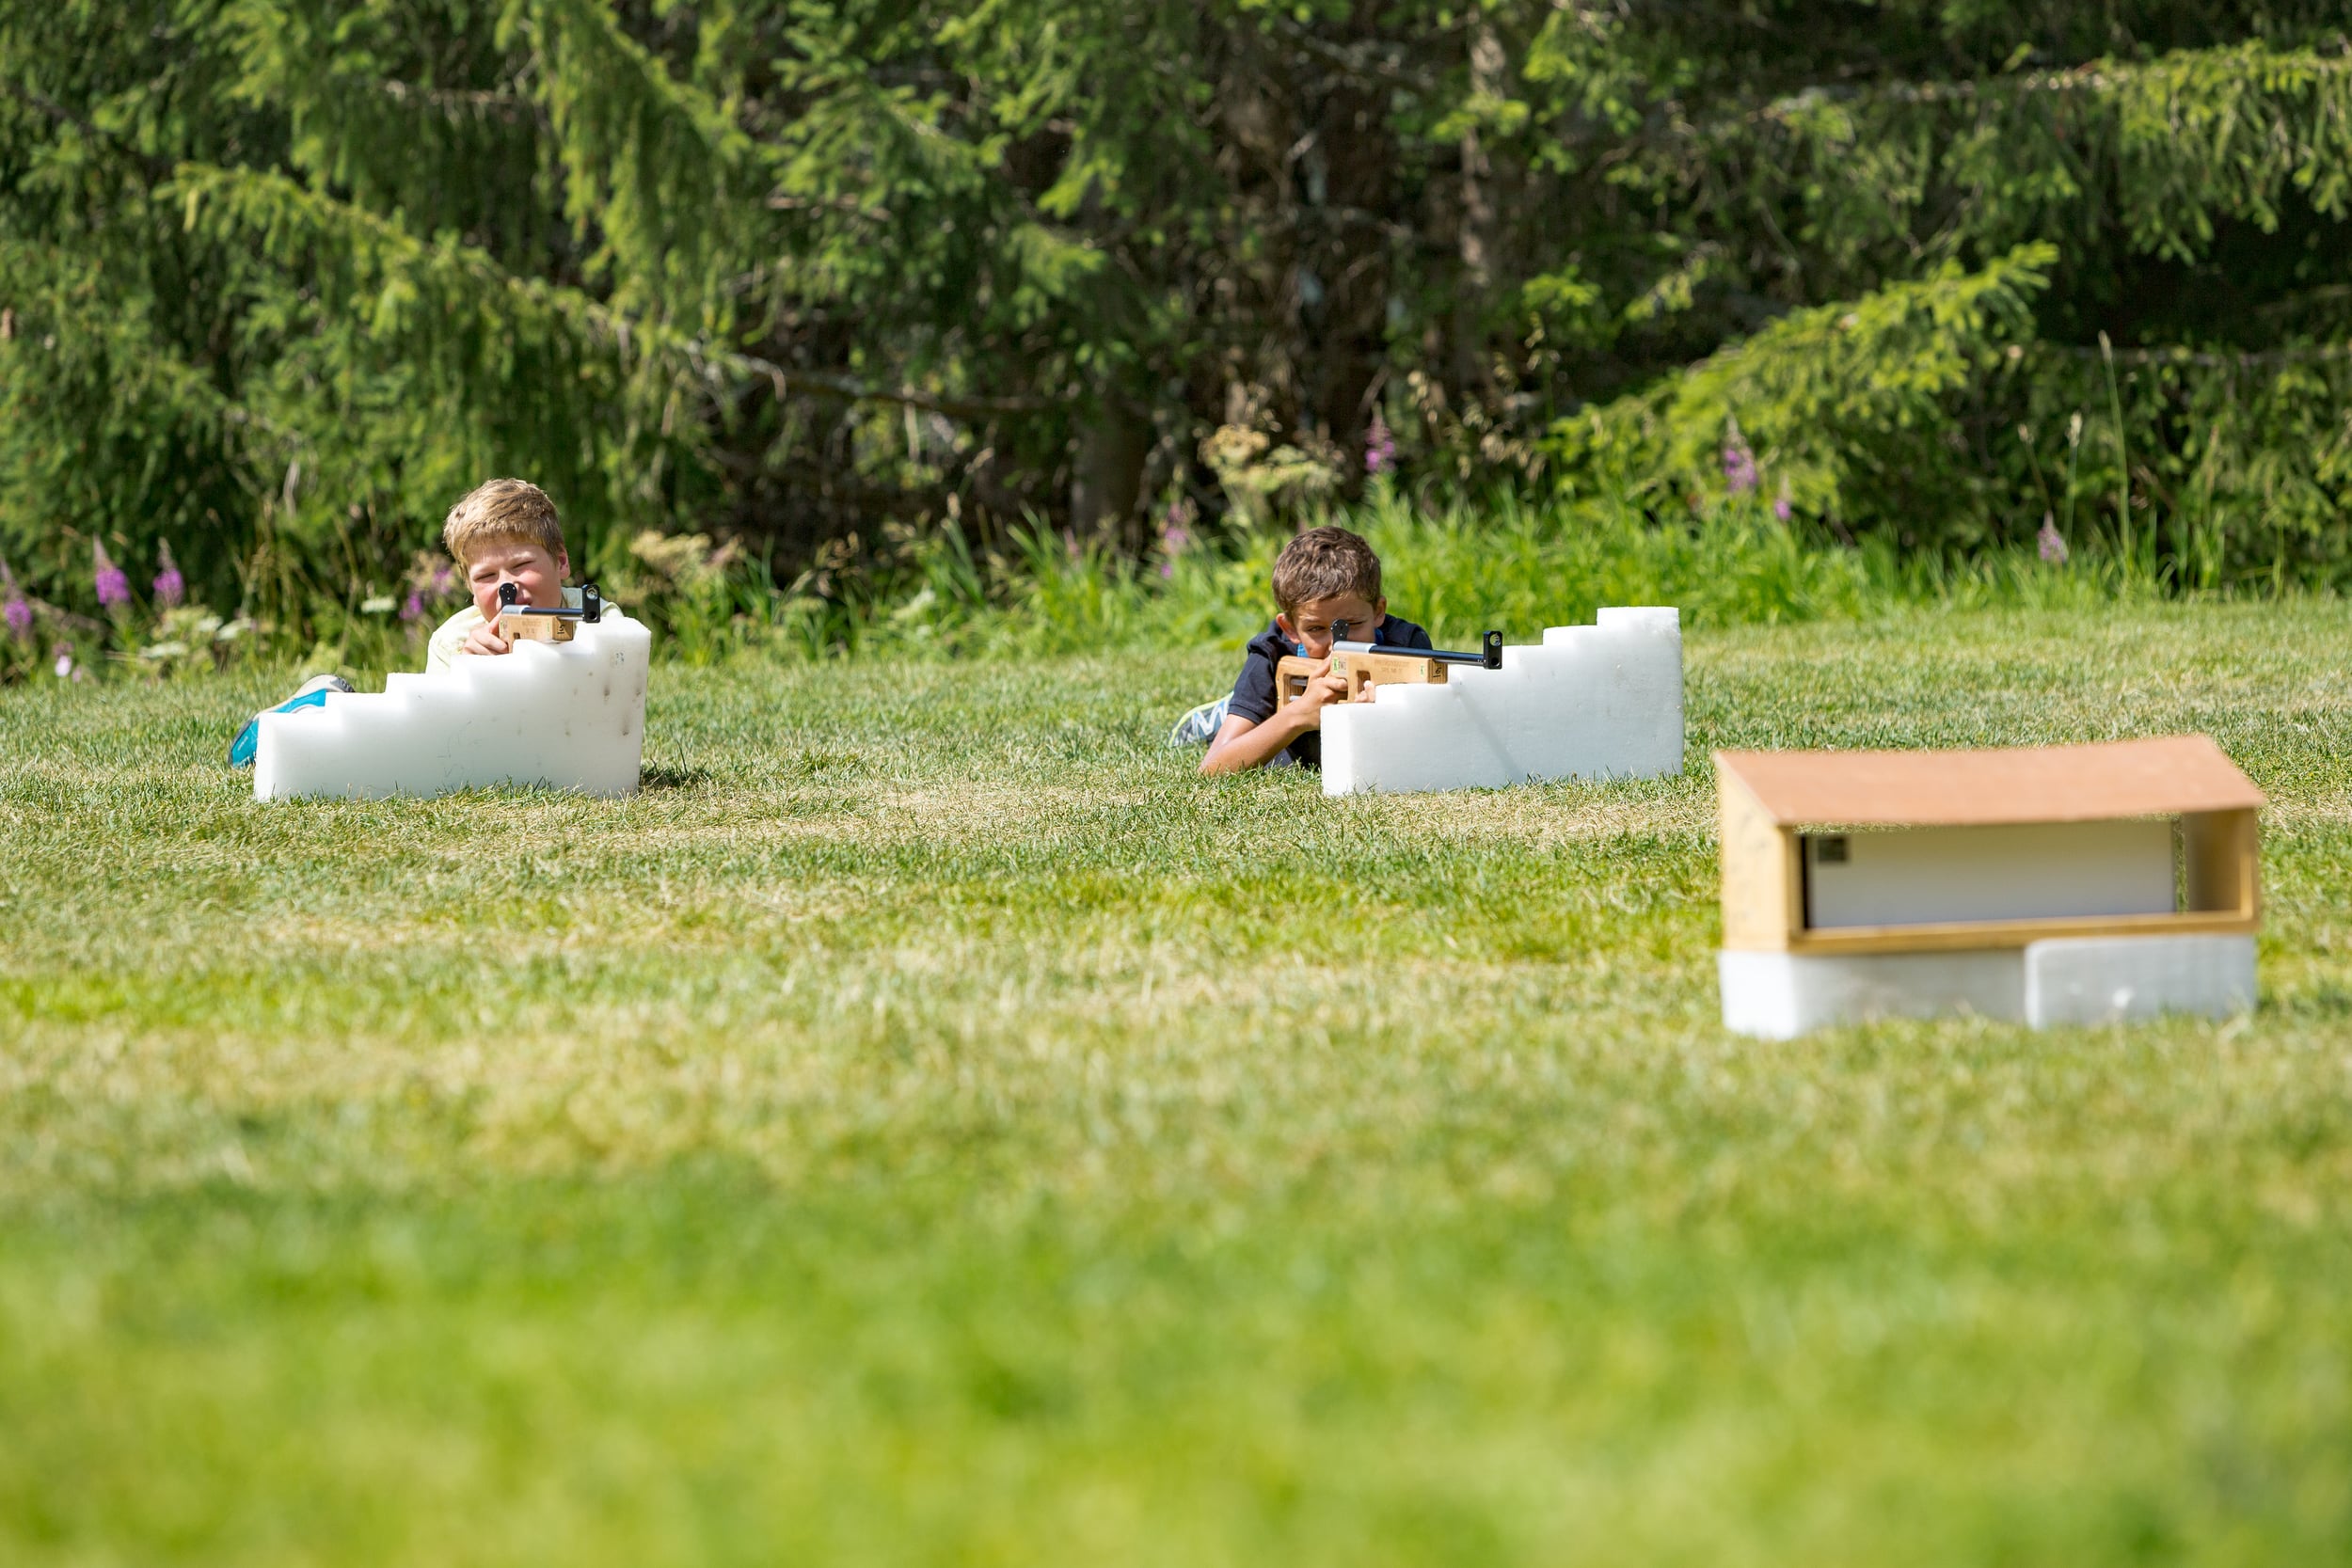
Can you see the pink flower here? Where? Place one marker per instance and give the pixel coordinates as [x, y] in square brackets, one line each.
[17, 613]
[2053, 546]
[1379, 446]
[413, 608]
[1739, 465]
[65, 662]
[1782, 507]
[1176, 529]
[113, 583]
[170, 587]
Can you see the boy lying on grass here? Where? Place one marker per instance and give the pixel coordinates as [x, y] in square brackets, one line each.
[503, 531]
[1327, 590]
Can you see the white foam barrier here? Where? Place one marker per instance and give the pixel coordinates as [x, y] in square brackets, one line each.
[2108, 979]
[571, 715]
[1598, 701]
[1778, 996]
[2044, 984]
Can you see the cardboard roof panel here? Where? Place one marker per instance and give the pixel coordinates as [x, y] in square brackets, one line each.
[2028, 784]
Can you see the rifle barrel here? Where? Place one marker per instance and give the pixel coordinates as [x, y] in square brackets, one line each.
[1489, 656]
[590, 609]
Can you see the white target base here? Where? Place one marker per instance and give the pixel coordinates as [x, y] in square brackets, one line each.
[2078, 980]
[567, 715]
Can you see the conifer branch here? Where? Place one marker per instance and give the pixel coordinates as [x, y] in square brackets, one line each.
[779, 201]
[849, 390]
[272, 204]
[2094, 77]
[1365, 61]
[487, 104]
[2212, 359]
[156, 168]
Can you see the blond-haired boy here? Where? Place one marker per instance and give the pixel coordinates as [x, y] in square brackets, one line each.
[500, 532]
[503, 531]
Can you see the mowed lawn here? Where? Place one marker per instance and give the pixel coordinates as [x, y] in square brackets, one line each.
[929, 1125]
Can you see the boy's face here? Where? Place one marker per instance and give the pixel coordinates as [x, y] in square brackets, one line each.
[1315, 622]
[537, 575]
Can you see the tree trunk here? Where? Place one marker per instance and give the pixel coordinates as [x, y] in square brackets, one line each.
[1477, 240]
[1107, 480]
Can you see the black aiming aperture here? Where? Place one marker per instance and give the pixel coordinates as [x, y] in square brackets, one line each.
[509, 594]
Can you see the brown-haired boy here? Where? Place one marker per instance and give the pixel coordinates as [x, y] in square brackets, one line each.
[503, 531]
[1327, 589]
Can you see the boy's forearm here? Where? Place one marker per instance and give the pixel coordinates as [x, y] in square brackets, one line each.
[1256, 745]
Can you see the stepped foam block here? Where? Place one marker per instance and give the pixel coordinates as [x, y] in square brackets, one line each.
[569, 715]
[2044, 984]
[1598, 701]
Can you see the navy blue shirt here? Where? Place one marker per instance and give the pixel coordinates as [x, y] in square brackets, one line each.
[1254, 696]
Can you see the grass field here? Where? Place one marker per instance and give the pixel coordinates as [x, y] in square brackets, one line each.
[930, 1125]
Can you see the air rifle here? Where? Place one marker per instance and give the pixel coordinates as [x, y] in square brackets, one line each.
[516, 620]
[1377, 664]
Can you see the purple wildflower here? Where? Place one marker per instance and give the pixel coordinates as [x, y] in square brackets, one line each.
[1379, 446]
[413, 608]
[170, 587]
[114, 584]
[1739, 465]
[1175, 533]
[1782, 507]
[2053, 546]
[1176, 528]
[17, 613]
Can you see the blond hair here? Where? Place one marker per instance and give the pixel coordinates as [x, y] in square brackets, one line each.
[1324, 563]
[502, 512]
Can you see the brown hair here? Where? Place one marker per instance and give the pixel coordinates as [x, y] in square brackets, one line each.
[1324, 563]
[505, 511]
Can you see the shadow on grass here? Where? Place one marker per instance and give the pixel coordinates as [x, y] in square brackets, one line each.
[665, 775]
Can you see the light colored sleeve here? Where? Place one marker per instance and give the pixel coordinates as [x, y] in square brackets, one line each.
[449, 640]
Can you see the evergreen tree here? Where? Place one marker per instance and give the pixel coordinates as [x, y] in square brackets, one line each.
[279, 278]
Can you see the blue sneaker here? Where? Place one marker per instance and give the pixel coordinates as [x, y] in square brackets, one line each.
[312, 694]
[1199, 726]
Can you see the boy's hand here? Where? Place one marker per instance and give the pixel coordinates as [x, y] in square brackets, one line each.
[1323, 688]
[485, 638]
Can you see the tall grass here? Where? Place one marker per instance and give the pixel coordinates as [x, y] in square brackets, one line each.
[1459, 568]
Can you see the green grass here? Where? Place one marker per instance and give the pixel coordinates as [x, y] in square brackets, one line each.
[929, 1125]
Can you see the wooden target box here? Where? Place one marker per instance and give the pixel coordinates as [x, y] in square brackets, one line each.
[1878, 852]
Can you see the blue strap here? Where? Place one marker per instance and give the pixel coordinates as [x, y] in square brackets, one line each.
[248, 741]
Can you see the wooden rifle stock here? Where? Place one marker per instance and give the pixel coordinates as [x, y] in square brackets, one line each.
[1375, 664]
